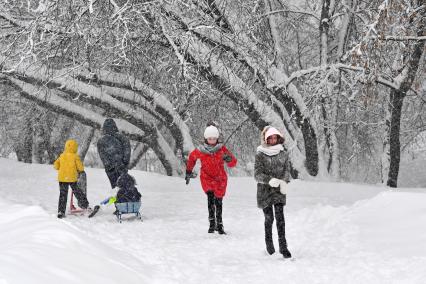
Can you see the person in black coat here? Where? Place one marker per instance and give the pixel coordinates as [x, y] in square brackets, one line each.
[114, 150]
[272, 173]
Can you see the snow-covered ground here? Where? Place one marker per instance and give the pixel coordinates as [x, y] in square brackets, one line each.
[337, 233]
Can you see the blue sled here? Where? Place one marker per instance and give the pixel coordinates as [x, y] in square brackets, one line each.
[128, 208]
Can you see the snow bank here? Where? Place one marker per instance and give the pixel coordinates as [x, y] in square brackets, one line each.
[38, 248]
[393, 223]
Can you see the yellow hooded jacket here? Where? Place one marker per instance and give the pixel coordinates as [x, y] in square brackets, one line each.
[69, 164]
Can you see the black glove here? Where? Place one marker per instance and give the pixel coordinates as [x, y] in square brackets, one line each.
[187, 178]
[189, 175]
[227, 158]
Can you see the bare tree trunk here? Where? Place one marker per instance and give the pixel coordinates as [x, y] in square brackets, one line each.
[41, 139]
[397, 99]
[397, 96]
[60, 132]
[137, 155]
[87, 140]
[24, 148]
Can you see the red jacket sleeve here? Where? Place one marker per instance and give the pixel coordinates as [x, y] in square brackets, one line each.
[233, 162]
[192, 160]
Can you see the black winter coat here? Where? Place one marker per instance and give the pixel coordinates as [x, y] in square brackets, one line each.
[127, 189]
[113, 147]
[268, 167]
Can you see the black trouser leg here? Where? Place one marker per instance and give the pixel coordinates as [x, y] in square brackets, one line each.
[218, 203]
[211, 205]
[79, 194]
[113, 177]
[114, 174]
[211, 208]
[269, 221]
[63, 197]
[279, 216]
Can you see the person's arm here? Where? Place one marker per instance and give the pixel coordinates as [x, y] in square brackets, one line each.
[287, 169]
[229, 158]
[57, 164]
[79, 164]
[192, 160]
[101, 151]
[127, 150]
[259, 170]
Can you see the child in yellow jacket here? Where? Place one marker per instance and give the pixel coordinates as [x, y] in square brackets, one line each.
[69, 166]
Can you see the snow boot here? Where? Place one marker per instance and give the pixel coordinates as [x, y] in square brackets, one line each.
[286, 253]
[95, 210]
[212, 226]
[270, 246]
[61, 215]
[220, 229]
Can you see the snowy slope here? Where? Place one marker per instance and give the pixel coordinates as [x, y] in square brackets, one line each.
[338, 233]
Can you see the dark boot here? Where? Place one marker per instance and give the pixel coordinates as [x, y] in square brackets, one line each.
[212, 226]
[220, 229]
[269, 220]
[212, 209]
[286, 253]
[218, 203]
[279, 216]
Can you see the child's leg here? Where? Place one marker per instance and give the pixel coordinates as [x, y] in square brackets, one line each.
[211, 208]
[218, 203]
[211, 205]
[63, 196]
[279, 216]
[269, 220]
[81, 197]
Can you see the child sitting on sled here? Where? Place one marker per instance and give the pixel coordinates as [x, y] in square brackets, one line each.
[127, 192]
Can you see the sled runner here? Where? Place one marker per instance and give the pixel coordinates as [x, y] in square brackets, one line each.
[128, 208]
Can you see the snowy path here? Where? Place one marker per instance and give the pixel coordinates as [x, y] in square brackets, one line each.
[338, 233]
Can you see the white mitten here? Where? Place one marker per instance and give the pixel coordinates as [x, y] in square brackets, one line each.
[283, 187]
[274, 182]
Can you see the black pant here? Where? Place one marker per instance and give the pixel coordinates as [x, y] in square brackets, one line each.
[214, 205]
[269, 220]
[63, 196]
[114, 173]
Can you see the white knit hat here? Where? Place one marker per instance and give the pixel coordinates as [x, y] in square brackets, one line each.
[272, 131]
[211, 132]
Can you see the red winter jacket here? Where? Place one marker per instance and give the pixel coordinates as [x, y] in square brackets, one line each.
[213, 176]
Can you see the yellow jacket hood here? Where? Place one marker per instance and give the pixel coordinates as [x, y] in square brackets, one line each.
[71, 146]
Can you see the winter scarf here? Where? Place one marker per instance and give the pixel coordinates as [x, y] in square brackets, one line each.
[210, 149]
[270, 150]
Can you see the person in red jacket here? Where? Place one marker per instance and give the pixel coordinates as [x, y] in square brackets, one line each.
[213, 155]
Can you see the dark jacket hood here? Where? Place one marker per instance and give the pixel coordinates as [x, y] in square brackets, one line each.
[109, 127]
